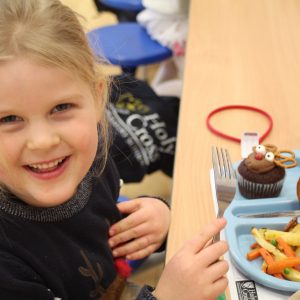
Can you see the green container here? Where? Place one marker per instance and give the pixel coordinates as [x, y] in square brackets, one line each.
[221, 297]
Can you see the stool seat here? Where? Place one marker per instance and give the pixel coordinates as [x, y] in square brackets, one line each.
[126, 5]
[127, 45]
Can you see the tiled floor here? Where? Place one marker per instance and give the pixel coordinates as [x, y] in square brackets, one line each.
[155, 184]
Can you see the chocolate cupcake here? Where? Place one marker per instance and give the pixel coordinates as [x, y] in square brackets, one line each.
[262, 173]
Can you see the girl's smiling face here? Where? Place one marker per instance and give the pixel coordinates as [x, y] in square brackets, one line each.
[48, 132]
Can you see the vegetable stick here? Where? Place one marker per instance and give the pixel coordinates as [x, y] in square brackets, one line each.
[263, 243]
[253, 254]
[292, 238]
[254, 245]
[297, 251]
[269, 260]
[291, 224]
[266, 255]
[285, 247]
[279, 265]
[293, 275]
[264, 267]
[296, 229]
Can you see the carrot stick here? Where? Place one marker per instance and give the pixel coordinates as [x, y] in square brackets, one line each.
[287, 249]
[269, 259]
[278, 266]
[253, 254]
[254, 245]
[264, 267]
[266, 256]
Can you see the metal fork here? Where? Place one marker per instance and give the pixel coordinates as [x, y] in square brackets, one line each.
[225, 180]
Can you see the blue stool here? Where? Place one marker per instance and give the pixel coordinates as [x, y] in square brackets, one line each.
[127, 5]
[127, 45]
[134, 264]
[126, 10]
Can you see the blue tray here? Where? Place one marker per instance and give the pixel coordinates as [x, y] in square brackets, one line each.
[238, 230]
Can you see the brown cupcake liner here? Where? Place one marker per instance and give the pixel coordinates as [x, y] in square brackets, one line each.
[253, 190]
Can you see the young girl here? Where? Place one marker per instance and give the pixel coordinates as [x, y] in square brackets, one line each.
[60, 227]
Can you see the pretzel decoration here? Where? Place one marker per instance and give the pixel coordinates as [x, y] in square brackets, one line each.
[271, 148]
[285, 161]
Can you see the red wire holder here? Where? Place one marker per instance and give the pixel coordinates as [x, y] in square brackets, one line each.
[245, 107]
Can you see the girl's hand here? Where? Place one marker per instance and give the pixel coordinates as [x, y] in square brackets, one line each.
[196, 272]
[144, 229]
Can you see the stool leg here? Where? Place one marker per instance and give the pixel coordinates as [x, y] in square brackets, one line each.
[122, 15]
[129, 70]
[143, 72]
[102, 7]
[126, 16]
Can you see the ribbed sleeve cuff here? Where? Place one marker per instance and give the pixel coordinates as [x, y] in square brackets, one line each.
[146, 293]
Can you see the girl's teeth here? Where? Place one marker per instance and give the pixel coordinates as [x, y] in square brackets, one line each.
[47, 165]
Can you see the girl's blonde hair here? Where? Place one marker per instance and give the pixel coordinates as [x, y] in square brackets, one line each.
[50, 33]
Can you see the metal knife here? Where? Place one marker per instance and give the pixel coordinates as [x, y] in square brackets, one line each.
[275, 214]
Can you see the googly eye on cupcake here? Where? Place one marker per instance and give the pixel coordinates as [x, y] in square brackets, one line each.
[262, 173]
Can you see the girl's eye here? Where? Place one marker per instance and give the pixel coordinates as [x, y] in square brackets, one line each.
[269, 156]
[61, 107]
[10, 119]
[260, 149]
